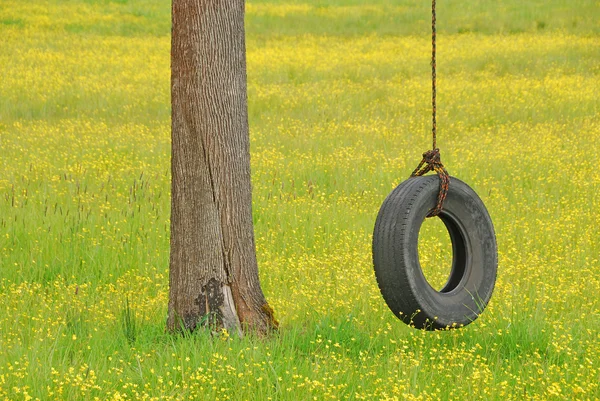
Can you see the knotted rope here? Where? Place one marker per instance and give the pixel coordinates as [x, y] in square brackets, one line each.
[432, 162]
[432, 157]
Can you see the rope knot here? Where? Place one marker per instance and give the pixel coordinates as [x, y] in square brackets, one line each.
[432, 157]
[432, 161]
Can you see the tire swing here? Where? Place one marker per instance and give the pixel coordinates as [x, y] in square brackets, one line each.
[395, 243]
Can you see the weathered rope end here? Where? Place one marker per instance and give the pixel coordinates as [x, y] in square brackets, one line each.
[432, 161]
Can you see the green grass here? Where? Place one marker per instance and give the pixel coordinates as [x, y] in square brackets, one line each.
[339, 98]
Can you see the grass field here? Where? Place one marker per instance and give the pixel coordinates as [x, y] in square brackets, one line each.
[339, 101]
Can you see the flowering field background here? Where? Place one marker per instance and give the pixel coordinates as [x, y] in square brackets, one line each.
[339, 98]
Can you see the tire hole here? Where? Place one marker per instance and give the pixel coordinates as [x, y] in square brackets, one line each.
[435, 252]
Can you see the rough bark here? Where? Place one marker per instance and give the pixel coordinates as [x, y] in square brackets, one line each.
[213, 268]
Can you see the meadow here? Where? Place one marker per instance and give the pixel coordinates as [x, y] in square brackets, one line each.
[339, 109]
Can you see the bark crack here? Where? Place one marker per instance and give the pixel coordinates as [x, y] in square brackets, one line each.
[211, 178]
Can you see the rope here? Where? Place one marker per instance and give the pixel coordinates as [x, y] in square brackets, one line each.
[432, 157]
[433, 76]
[434, 163]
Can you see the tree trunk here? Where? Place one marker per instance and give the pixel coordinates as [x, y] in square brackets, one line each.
[213, 269]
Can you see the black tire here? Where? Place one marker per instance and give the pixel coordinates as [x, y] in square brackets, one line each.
[396, 258]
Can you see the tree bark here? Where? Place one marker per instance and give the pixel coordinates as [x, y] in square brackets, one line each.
[213, 269]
